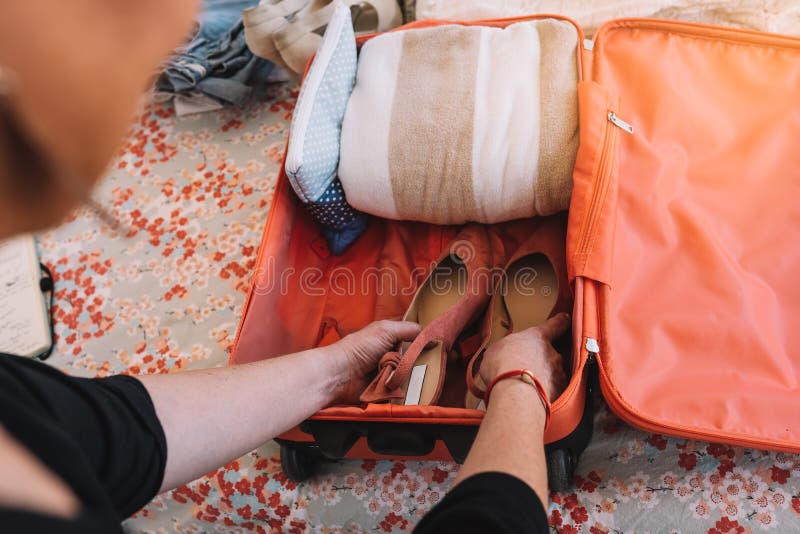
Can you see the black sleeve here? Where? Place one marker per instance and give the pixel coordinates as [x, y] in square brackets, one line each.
[15, 520]
[88, 431]
[487, 502]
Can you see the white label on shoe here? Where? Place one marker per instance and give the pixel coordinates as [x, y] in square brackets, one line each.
[415, 385]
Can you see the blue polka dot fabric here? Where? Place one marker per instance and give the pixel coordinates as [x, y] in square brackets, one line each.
[341, 224]
[331, 208]
[313, 155]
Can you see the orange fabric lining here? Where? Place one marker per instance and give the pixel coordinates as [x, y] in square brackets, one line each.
[287, 309]
[703, 308]
[593, 203]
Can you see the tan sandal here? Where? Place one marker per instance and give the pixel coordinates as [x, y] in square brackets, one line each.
[533, 288]
[453, 295]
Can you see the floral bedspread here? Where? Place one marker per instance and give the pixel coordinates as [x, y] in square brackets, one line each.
[165, 293]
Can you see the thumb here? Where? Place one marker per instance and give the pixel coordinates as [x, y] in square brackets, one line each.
[555, 327]
[395, 331]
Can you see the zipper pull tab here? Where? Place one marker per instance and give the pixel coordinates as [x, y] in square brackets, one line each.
[592, 347]
[616, 121]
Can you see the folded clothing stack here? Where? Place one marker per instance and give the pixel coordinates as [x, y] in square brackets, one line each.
[463, 123]
[445, 125]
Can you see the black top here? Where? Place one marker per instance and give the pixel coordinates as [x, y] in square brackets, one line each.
[487, 502]
[103, 438]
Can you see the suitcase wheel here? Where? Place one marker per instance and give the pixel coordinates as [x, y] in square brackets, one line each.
[560, 470]
[298, 463]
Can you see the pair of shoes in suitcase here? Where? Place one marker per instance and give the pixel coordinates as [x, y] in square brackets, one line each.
[466, 282]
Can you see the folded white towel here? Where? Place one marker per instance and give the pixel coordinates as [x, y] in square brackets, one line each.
[454, 123]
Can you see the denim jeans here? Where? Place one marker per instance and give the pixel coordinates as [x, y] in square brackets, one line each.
[217, 61]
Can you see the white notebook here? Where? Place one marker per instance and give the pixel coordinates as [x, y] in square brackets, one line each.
[24, 321]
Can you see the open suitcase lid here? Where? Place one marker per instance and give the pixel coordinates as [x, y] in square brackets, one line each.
[695, 236]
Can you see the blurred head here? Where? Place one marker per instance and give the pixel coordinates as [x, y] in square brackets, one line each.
[72, 75]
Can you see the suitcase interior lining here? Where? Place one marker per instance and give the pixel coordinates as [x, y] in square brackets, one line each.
[704, 305]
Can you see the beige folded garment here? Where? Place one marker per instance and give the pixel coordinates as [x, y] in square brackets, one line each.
[776, 16]
[451, 124]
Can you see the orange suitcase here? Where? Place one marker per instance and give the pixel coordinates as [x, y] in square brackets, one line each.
[683, 236]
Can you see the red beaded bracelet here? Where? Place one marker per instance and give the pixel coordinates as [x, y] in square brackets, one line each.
[526, 376]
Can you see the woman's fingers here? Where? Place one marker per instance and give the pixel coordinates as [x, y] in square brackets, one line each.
[366, 346]
[555, 327]
[396, 331]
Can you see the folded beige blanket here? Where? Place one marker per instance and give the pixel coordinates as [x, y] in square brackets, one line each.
[777, 16]
[453, 124]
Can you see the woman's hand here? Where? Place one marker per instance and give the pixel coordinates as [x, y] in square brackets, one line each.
[285, 391]
[361, 351]
[507, 423]
[530, 349]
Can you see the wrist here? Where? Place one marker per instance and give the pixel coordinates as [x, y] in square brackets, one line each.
[335, 367]
[512, 394]
[519, 388]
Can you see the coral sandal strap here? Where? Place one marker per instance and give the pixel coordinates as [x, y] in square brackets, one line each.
[527, 376]
[378, 389]
[394, 367]
[408, 359]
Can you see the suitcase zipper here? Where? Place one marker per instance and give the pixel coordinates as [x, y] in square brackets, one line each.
[592, 353]
[603, 175]
[592, 347]
[616, 121]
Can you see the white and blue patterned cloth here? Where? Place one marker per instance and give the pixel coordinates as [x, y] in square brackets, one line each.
[313, 155]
